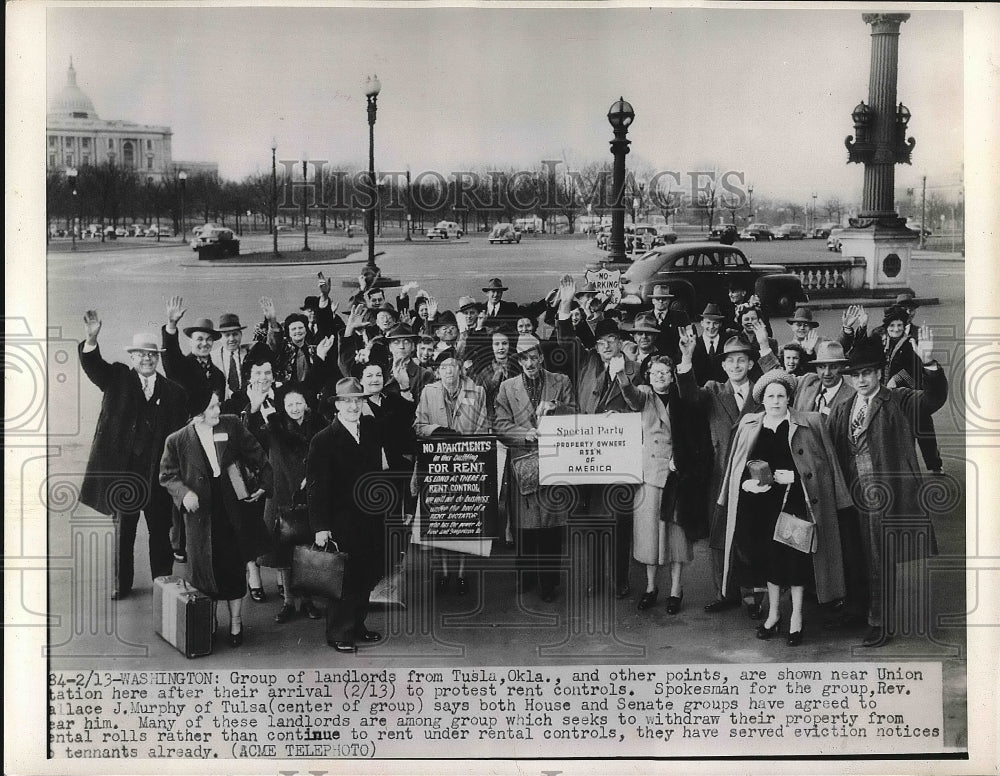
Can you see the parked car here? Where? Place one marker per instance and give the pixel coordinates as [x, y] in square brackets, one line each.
[789, 232]
[110, 233]
[222, 238]
[699, 273]
[919, 228]
[444, 230]
[506, 233]
[666, 234]
[162, 231]
[822, 231]
[757, 232]
[604, 238]
[724, 233]
[641, 237]
[833, 239]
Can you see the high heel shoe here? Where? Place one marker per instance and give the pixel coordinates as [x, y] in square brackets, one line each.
[236, 639]
[794, 639]
[764, 633]
[648, 599]
[674, 603]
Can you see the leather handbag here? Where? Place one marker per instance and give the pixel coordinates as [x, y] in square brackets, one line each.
[291, 524]
[319, 570]
[793, 531]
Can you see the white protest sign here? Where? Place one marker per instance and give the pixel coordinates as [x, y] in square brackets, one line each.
[590, 449]
[607, 282]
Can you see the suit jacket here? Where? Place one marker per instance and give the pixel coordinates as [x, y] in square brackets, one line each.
[507, 315]
[808, 389]
[515, 416]
[221, 359]
[705, 367]
[470, 414]
[185, 370]
[817, 473]
[110, 466]
[587, 371]
[184, 467]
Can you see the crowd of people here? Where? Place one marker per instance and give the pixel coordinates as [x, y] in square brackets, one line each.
[765, 451]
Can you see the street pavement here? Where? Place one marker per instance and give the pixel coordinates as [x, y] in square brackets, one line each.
[129, 286]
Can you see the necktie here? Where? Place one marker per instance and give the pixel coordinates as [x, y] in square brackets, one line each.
[740, 398]
[147, 388]
[233, 380]
[206, 367]
[711, 348]
[821, 400]
[606, 390]
[860, 415]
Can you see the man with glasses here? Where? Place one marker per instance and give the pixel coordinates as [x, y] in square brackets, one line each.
[139, 410]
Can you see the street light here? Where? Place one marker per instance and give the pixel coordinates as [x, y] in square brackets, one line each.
[750, 203]
[305, 198]
[620, 116]
[409, 215]
[274, 194]
[182, 177]
[71, 174]
[814, 211]
[372, 88]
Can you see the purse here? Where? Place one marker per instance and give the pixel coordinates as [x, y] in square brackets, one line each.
[319, 570]
[291, 524]
[793, 531]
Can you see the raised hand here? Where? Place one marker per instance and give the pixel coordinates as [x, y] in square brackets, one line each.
[850, 317]
[432, 307]
[406, 317]
[862, 317]
[175, 311]
[267, 307]
[631, 350]
[323, 347]
[92, 325]
[616, 365]
[811, 340]
[323, 283]
[686, 341]
[925, 344]
[256, 395]
[760, 332]
[190, 501]
[567, 292]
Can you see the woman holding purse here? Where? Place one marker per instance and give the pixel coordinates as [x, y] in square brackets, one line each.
[783, 482]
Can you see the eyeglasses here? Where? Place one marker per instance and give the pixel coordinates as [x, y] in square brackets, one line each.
[146, 356]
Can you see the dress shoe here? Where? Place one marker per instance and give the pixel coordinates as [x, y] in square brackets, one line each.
[257, 594]
[877, 637]
[623, 590]
[648, 599]
[310, 610]
[120, 593]
[462, 587]
[285, 613]
[795, 638]
[180, 556]
[371, 637]
[764, 633]
[674, 603]
[720, 605]
[346, 647]
[236, 639]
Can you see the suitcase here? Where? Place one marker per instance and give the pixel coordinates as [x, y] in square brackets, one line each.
[183, 616]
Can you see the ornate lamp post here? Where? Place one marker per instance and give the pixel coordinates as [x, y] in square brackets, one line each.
[71, 174]
[750, 202]
[620, 116]
[305, 201]
[182, 176]
[814, 211]
[274, 194]
[372, 88]
[409, 215]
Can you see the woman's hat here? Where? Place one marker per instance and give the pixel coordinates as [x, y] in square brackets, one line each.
[829, 352]
[526, 343]
[865, 355]
[774, 376]
[296, 318]
[205, 325]
[198, 398]
[895, 313]
[230, 322]
[144, 342]
[803, 315]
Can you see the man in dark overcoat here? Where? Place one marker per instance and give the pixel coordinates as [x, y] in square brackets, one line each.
[346, 469]
[139, 410]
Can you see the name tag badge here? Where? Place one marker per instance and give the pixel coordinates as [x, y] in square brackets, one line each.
[467, 400]
[221, 436]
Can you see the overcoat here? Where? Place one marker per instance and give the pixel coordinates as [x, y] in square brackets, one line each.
[586, 369]
[116, 426]
[287, 445]
[825, 491]
[807, 389]
[185, 370]
[470, 415]
[185, 467]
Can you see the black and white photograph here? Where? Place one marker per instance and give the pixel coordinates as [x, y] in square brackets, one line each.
[531, 388]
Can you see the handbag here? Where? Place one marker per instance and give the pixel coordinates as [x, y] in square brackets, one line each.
[793, 531]
[291, 524]
[526, 473]
[242, 478]
[319, 570]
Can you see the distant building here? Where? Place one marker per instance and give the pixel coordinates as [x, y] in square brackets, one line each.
[77, 137]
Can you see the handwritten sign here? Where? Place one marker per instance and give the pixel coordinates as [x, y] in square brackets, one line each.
[458, 495]
[607, 282]
[590, 449]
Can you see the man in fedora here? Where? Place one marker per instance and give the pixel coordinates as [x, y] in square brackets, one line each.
[196, 368]
[408, 377]
[724, 404]
[736, 294]
[669, 315]
[824, 389]
[644, 333]
[498, 311]
[709, 344]
[139, 410]
[230, 358]
[874, 438]
[805, 335]
[596, 377]
[345, 466]
[474, 341]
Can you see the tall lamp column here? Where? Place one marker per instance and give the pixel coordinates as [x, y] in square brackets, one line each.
[274, 195]
[71, 177]
[305, 201]
[182, 177]
[372, 88]
[620, 116]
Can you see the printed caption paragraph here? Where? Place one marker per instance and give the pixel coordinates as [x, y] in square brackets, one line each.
[653, 711]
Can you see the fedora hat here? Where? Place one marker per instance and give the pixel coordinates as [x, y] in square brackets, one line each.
[774, 376]
[310, 303]
[144, 342]
[803, 315]
[349, 388]
[677, 315]
[643, 323]
[829, 352]
[712, 313]
[400, 331]
[526, 343]
[495, 284]
[906, 299]
[444, 355]
[865, 355]
[386, 307]
[230, 322]
[736, 345]
[606, 327]
[588, 288]
[205, 325]
[661, 291]
[465, 302]
[447, 318]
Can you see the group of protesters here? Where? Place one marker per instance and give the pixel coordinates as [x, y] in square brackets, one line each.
[765, 451]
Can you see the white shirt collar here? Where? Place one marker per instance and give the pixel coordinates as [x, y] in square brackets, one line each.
[206, 435]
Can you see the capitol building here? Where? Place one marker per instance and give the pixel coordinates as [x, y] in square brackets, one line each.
[77, 137]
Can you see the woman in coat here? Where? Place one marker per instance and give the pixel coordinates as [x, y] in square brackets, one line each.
[287, 436]
[807, 483]
[200, 470]
[453, 405]
[668, 513]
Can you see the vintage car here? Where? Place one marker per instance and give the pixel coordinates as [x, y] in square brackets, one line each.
[757, 232]
[790, 232]
[505, 233]
[216, 242]
[444, 230]
[699, 273]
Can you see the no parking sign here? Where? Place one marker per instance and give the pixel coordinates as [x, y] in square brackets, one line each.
[607, 282]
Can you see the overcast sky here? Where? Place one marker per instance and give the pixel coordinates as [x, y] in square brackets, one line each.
[765, 92]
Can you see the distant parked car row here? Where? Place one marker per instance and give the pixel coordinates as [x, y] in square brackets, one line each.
[113, 233]
[639, 237]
